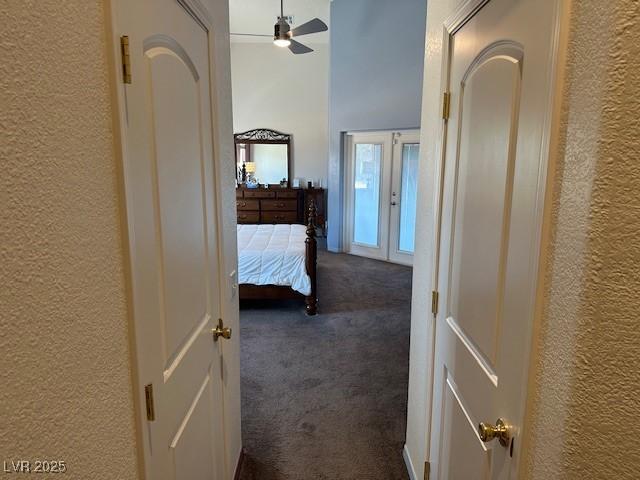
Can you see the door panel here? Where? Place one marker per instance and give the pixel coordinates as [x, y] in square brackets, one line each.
[191, 443]
[488, 127]
[408, 197]
[498, 78]
[404, 196]
[180, 208]
[367, 178]
[456, 418]
[169, 181]
[367, 184]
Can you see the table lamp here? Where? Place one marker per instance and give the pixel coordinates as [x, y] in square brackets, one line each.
[250, 168]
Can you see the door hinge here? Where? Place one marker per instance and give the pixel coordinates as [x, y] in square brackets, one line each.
[427, 470]
[446, 104]
[148, 396]
[434, 302]
[126, 59]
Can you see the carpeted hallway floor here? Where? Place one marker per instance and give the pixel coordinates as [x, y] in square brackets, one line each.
[325, 397]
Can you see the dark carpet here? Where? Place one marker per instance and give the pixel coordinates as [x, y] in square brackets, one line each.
[325, 397]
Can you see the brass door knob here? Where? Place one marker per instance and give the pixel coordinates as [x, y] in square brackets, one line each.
[500, 431]
[221, 331]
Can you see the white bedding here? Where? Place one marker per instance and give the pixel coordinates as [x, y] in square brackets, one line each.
[273, 255]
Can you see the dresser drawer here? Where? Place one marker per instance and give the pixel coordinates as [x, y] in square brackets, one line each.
[277, 205]
[248, 204]
[259, 194]
[279, 217]
[287, 194]
[238, 193]
[248, 217]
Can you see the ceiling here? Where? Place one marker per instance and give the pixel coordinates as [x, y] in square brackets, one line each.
[259, 16]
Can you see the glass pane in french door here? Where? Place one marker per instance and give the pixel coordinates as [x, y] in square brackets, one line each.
[366, 184]
[409, 196]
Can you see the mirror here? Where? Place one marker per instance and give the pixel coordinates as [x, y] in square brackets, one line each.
[263, 156]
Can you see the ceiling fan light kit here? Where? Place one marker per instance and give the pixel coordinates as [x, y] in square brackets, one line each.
[282, 42]
[281, 32]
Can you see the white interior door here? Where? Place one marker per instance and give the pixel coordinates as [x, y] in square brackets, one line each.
[404, 196]
[368, 194]
[171, 213]
[499, 81]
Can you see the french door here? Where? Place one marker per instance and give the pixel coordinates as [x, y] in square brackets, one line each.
[404, 195]
[381, 187]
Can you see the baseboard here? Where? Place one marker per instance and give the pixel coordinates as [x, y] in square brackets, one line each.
[236, 475]
[407, 461]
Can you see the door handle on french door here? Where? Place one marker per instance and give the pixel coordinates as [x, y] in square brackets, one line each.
[500, 431]
[221, 331]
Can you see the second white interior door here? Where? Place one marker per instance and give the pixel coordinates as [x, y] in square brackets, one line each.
[381, 188]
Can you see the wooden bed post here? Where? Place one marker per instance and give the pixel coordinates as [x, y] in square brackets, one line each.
[311, 254]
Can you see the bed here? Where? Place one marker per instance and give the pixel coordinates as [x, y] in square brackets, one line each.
[278, 261]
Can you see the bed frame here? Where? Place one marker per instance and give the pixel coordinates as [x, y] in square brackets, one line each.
[277, 292]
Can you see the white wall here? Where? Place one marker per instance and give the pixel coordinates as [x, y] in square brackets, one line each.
[273, 88]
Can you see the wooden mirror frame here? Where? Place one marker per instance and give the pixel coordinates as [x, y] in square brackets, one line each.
[264, 136]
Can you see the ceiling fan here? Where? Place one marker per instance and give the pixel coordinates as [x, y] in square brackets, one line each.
[282, 32]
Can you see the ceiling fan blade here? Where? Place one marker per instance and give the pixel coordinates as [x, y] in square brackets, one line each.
[298, 48]
[251, 35]
[312, 26]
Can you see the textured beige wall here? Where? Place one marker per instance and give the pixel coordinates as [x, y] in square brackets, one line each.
[585, 397]
[64, 354]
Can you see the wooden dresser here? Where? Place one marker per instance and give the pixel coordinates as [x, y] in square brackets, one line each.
[270, 205]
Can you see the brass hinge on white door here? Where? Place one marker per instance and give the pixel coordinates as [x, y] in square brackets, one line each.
[126, 59]
[427, 470]
[434, 302]
[446, 105]
[148, 397]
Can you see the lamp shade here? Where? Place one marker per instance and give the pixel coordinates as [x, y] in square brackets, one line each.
[250, 167]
